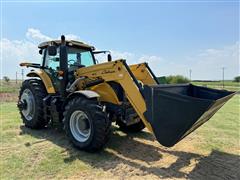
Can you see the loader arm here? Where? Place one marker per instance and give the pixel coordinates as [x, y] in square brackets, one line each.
[144, 73]
[119, 72]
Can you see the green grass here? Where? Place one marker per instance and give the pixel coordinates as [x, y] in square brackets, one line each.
[222, 132]
[228, 85]
[34, 154]
[218, 83]
[9, 87]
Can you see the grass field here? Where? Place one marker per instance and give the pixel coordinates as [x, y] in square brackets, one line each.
[228, 85]
[211, 152]
[9, 87]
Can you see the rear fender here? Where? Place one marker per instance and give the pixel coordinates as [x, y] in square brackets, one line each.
[45, 78]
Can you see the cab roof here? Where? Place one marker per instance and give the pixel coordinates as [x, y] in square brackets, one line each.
[68, 42]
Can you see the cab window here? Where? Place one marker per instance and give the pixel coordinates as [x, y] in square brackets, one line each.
[52, 62]
[80, 57]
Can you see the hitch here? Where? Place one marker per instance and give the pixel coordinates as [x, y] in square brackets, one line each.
[22, 104]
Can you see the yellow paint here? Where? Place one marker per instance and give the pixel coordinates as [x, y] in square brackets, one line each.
[106, 93]
[116, 71]
[25, 64]
[45, 78]
[141, 72]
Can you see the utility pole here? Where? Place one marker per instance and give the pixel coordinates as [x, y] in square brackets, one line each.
[190, 75]
[223, 68]
[16, 77]
[22, 75]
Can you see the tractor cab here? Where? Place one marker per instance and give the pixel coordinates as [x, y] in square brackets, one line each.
[59, 61]
[78, 54]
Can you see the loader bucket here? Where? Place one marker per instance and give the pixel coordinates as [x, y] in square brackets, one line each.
[174, 111]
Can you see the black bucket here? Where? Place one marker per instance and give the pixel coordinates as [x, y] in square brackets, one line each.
[174, 111]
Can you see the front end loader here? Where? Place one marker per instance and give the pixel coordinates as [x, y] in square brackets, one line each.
[70, 88]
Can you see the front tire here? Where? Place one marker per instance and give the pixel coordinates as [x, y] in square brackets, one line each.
[30, 104]
[86, 124]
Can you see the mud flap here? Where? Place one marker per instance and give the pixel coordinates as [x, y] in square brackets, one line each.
[174, 111]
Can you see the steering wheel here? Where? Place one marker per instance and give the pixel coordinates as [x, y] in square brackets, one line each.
[71, 60]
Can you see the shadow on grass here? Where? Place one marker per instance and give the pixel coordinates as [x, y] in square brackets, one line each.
[125, 150]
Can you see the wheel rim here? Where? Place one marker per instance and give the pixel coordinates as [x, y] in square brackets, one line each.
[80, 126]
[28, 98]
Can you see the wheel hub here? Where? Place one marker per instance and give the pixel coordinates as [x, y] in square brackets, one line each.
[80, 126]
[27, 104]
[22, 105]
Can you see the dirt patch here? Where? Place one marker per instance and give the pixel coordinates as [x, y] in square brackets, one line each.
[8, 97]
[147, 159]
[140, 156]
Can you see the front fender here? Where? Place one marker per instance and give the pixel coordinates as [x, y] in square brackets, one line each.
[86, 93]
[45, 79]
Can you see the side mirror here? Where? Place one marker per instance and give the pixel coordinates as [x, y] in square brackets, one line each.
[52, 50]
[40, 51]
[109, 57]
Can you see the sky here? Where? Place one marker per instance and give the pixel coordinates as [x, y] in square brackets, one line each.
[173, 37]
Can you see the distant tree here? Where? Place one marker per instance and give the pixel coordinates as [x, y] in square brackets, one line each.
[237, 79]
[6, 79]
[177, 79]
[162, 80]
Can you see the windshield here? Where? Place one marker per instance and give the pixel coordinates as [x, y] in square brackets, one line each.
[78, 57]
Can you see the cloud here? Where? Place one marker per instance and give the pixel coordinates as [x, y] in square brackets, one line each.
[205, 64]
[15, 52]
[208, 63]
[25, 50]
[35, 35]
[130, 57]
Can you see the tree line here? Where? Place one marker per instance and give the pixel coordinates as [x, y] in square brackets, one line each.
[179, 79]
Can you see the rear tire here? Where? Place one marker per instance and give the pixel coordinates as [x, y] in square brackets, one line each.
[86, 124]
[31, 97]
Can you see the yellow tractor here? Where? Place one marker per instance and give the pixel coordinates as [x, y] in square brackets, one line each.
[86, 97]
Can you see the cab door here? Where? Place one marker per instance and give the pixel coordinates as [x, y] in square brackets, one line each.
[51, 66]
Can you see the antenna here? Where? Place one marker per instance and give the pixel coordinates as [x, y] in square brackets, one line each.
[190, 74]
[16, 77]
[223, 69]
[22, 75]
